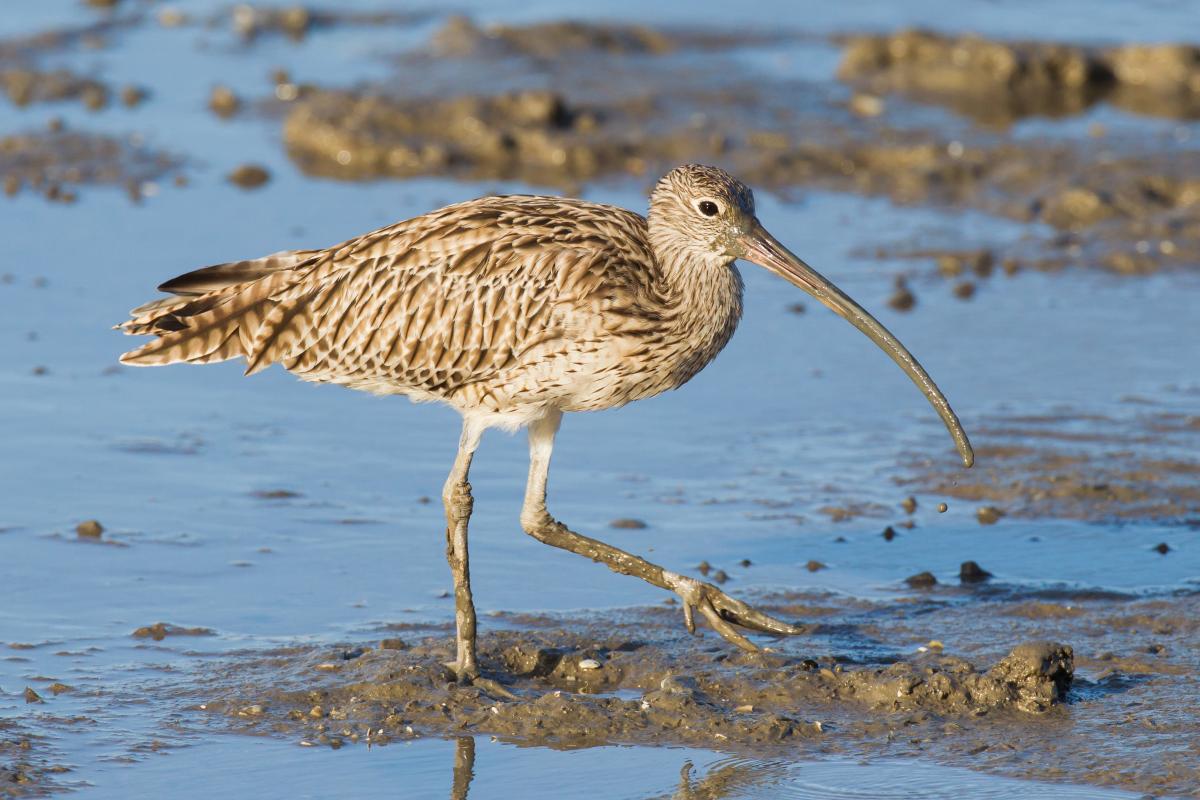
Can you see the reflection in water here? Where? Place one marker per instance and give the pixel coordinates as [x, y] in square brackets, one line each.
[726, 779]
[722, 780]
[464, 767]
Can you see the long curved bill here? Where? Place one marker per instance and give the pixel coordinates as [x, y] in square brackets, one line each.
[763, 249]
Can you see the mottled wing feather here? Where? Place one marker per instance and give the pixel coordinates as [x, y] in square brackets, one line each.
[427, 306]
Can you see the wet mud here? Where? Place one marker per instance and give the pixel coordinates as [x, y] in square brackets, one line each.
[58, 163]
[990, 677]
[1123, 205]
[1051, 683]
[1140, 467]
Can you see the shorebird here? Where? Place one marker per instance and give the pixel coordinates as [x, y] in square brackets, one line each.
[513, 310]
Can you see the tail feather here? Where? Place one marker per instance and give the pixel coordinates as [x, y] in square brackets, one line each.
[220, 276]
[217, 315]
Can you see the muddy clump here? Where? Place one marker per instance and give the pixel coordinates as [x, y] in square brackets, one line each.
[25, 87]
[976, 76]
[58, 162]
[563, 689]
[998, 81]
[534, 136]
[461, 37]
[161, 630]
[254, 21]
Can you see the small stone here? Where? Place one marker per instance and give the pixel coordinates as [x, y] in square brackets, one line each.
[1162, 548]
[964, 290]
[589, 664]
[922, 580]
[703, 568]
[889, 533]
[32, 697]
[814, 566]
[132, 96]
[94, 97]
[942, 507]
[89, 529]
[58, 688]
[797, 308]
[745, 562]
[627, 523]
[393, 643]
[866, 105]
[988, 515]
[224, 102]
[909, 504]
[970, 572]
[902, 299]
[350, 655]
[249, 176]
[720, 576]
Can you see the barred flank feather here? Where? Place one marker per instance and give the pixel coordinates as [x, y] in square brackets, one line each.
[498, 303]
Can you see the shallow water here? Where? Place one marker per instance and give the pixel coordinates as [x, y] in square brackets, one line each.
[426, 769]
[798, 414]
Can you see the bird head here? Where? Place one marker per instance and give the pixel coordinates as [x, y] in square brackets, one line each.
[705, 214]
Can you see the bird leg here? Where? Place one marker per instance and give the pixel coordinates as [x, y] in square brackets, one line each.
[456, 496]
[722, 611]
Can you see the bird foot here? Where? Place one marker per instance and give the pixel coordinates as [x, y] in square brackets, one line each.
[464, 675]
[723, 612]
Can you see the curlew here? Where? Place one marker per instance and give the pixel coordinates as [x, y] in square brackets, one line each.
[513, 310]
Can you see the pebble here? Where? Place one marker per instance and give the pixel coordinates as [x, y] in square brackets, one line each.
[942, 507]
[964, 290]
[32, 697]
[627, 523]
[132, 96]
[922, 580]
[393, 643]
[902, 299]
[814, 566]
[589, 664]
[909, 504]
[249, 176]
[224, 102]
[889, 533]
[89, 529]
[745, 562]
[1162, 547]
[988, 515]
[866, 105]
[971, 572]
[720, 576]
[703, 568]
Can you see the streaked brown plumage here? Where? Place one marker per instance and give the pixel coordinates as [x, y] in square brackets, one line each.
[512, 310]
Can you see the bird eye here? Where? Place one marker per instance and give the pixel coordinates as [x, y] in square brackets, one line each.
[708, 208]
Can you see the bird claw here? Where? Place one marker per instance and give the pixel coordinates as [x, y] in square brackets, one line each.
[723, 612]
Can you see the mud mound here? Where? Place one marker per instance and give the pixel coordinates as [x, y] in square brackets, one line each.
[998, 81]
